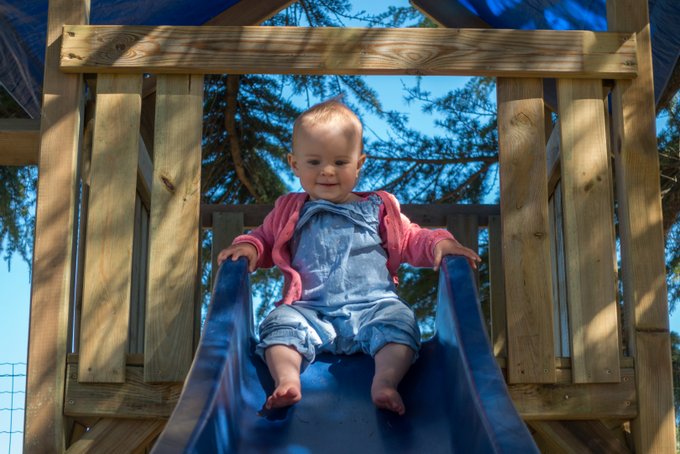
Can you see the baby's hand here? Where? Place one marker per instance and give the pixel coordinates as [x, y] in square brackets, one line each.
[452, 247]
[235, 251]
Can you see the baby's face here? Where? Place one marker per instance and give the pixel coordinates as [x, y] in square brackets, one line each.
[327, 159]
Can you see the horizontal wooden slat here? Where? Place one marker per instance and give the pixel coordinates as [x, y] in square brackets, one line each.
[301, 50]
[424, 215]
[570, 401]
[19, 142]
[132, 399]
[118, 435]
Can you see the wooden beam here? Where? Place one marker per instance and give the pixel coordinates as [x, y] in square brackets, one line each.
[249, 12]
[580, 437]
[118, 435]
[302, 50]
[588, 232]
[424, 215]
[132, 399]
[54, 249]
[525, 227]
[451, 14]
[19, 142]
[110, 229]
[641, 231]
[174, 224]
[571, 401]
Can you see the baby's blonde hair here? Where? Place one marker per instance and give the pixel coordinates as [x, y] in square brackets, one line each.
[327, 112]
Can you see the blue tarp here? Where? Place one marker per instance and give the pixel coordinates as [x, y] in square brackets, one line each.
[23, 29]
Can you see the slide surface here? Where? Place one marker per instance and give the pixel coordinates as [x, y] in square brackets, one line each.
[455, 396]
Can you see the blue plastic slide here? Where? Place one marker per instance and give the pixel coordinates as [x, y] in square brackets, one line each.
[455, 396]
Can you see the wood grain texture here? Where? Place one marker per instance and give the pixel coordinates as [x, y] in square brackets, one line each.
[588, 232]
[524, 217]
[118, 435]
[654, 428]
[133, 399]
[499, 323]
[110, 230]
[19, 142]
[226, 227]
[571, 401]
[53, 250]
[561, 311]
[174, 228]
[581, 437]
[301, 50]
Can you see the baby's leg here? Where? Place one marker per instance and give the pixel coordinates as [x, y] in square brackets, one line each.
[284, 365]
[391, 364]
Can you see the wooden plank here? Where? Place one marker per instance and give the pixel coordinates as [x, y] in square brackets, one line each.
[54, 247]
[144, 173]
[553, 161]
[524, 217]
[654, 383]
[424, 215]
[563, 339]
[249, 12]
[588, 232]
[118, 435]
[334, 50]
[133, 399]
[110, 229]
[226, 227]
[499, 325]
[450, 14]
[135, 338]
[174, 224]
[19, 142]
[580, 437]
[571, 401]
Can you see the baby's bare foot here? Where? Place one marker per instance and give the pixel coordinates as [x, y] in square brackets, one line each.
[388, 398]
[285, 394]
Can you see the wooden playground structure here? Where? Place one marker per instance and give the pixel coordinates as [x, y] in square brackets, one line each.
[115, 305]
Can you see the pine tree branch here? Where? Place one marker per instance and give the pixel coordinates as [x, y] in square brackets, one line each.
[485, 159]
[234, 145]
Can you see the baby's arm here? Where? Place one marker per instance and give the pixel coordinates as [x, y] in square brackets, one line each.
[235, 251]
[453, 247]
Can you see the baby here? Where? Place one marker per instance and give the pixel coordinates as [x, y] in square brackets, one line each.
[339, 252]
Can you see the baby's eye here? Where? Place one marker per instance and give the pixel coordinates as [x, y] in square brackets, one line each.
[313, 162]
[341, 163]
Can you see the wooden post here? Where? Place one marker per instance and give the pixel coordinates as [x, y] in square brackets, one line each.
[524, 218]
[588, 232]
[174, 228]
[226, 227]
[53, 253]
[641, 231]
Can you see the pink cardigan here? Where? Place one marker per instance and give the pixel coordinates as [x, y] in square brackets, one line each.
[403, 240]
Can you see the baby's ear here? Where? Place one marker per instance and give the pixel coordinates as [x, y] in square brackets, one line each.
[292, 162]
[360, 162]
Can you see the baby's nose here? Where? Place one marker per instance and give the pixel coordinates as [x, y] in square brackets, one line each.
[328, 170]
